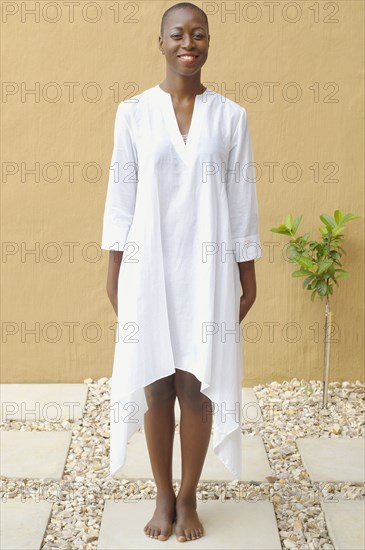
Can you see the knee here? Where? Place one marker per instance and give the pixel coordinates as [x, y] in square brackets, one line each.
[159, 392]
[187, 388]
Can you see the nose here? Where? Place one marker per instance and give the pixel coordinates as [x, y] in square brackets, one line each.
[188, 42]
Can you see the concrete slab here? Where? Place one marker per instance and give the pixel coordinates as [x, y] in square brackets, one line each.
[227, 524]
[42, 402]
[255, 462]
[337, 459]
[23, 524]
[33, 454]
[251, 411]
[345, 521]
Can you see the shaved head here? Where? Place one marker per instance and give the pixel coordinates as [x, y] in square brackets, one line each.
[179, 6]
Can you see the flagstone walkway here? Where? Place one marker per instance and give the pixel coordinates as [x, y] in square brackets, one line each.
[302, 485]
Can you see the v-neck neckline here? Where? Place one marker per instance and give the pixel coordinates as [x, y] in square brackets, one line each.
[185, 150]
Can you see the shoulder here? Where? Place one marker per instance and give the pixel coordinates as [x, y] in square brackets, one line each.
[230, 107]
[129, 110]
[233, 115]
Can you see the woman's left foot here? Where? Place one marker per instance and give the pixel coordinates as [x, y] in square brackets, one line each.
[188, 525]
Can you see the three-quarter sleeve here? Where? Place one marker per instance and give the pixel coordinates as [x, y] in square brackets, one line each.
[241, 194]
[122, 185]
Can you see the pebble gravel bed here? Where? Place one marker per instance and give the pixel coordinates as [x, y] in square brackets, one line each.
[290, 409]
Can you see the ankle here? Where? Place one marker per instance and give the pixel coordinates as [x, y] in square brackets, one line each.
[187, 499]
[166, 493]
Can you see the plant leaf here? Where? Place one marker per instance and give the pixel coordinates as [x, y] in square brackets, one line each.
[300, 273]
[343, 275]
[338, 230]
[324, 265]
[289, 221]
[304, 261]
[328, 221]
[335, 255]
[281, 229]
[338, 216]
[349, 217]
[296, 223]
[322, 288]
[323, 230]
[307, 280]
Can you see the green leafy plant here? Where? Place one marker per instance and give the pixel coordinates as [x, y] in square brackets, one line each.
[319, 261]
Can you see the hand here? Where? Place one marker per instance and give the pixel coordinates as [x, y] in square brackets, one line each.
[245, 306]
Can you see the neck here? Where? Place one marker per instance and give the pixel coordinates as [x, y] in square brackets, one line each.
[182, 88]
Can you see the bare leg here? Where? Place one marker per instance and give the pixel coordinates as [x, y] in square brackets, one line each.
[159, 426]
[195, 431]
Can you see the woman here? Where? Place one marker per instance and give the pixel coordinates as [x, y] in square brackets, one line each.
[184, 205]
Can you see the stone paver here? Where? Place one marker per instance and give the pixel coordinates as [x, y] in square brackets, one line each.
[337, 459]
[33, 454]
[228, 524]
[255, 462]
[42, 454]
[251, 411]
[23, 524]
[44, 402]
[345, 522]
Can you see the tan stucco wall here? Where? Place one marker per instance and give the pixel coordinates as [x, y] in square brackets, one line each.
[321, 130]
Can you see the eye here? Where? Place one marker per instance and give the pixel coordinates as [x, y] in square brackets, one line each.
[198, 36]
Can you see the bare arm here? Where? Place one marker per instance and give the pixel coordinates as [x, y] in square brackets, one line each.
[248, 283]
[115, 259]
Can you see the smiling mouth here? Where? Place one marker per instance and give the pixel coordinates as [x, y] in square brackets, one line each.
[188, 59]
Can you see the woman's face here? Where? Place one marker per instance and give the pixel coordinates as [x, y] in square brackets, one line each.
[185, 32]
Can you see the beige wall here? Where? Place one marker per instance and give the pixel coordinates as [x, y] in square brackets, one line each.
[322, 129]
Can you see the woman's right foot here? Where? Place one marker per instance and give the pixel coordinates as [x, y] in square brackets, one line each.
[160, 525]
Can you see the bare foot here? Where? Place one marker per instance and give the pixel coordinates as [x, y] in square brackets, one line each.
[160, 525]
[188, 526]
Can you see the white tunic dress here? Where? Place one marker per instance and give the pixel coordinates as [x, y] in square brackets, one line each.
[184, 214]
